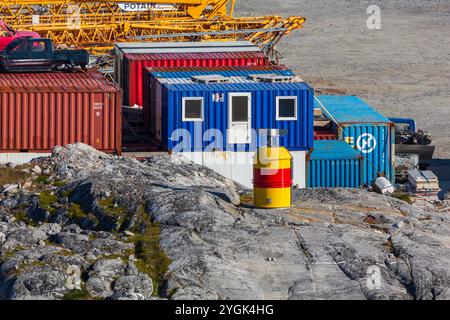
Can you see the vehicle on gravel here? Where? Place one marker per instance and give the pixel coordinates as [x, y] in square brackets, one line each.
[38, 54]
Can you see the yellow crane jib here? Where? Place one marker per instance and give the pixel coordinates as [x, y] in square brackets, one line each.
[96, 25]
[193, 8]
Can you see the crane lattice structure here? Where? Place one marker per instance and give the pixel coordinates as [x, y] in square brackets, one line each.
[97, 25]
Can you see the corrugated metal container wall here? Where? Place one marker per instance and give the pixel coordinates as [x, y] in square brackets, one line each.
[171, 73]
[123, 48]
[324, 135]
[39, 111]
[369, 132]
[153, 78]
[334, 164]
[133, 65]
[216, 116]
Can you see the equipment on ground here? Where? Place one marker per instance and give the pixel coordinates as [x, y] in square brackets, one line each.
[383, 186]
[424, 183]
[7, 35]
[410, 141]
[97, 25]
[37, 54]
[403, 163]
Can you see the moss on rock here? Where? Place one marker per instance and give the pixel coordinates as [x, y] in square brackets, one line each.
[47, 200]
[151, 258]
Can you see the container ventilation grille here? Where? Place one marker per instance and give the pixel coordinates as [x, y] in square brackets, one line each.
[214, 78]
[274, 78]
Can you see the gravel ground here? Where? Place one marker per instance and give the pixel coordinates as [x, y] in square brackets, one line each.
[402, 69]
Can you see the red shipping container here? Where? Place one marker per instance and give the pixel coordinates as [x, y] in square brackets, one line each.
[39, 111]
[133, 64]
[268, 68]
[324, 135]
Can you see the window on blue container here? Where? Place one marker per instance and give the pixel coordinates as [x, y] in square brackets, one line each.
[192, 109]
[286, 108]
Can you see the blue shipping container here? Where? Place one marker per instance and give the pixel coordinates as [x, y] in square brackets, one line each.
[224, 71]
[369, 132]
[334, 164]
[153, 77]
[227, 116]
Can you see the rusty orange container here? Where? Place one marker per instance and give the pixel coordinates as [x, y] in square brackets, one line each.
[39, 111]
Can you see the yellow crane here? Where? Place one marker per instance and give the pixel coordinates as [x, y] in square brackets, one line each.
[96, 25]
[22, 12]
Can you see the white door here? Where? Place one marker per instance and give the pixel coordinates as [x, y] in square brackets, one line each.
[239, 118]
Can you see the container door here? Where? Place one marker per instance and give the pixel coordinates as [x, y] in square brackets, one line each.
[98, 122]
[157, 113]
[374, 143]
[239, 118]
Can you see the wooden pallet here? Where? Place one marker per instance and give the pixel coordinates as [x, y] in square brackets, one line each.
[423, 181]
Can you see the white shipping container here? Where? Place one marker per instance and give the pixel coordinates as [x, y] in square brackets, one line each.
[238, 166]
[21, 158]
[187, 46]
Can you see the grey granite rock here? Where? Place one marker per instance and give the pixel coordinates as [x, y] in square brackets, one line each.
[137, 287]
[40, 284]
[332, 243]
[99, 287]
[50, 228]
[102, 275]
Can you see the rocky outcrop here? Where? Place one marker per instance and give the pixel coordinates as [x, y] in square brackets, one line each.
[111, 221]
[133, 287]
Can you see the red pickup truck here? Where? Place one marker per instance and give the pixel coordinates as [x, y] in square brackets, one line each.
[7, 35]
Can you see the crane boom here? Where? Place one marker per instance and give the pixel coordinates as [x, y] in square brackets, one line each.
[96, 25]
[194, 8]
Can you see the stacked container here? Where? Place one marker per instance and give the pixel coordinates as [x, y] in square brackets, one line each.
[183, 72]
[262, 99]
[123, 48]
[371, 134]
[130, 61]
[155, 77]
[39, 111]
[224, 136]
[215, 123]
